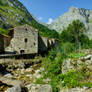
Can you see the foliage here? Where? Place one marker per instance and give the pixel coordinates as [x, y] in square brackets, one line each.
[40, 81]
[53, 67]
[76, 30]
[75, 55]
[90, 44]
[71, 79]
[74, 33]
[65, 36]
[44, 31]
[3, 31]
[87, 84]
[67, 48]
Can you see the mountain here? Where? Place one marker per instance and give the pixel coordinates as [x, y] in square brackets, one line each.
[84, 15]
[13, 13]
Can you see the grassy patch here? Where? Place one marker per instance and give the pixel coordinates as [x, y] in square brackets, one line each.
[76, 55]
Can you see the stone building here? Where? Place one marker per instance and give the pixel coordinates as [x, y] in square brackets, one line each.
[24, 40]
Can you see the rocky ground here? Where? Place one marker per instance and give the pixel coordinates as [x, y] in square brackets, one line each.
[22, 75]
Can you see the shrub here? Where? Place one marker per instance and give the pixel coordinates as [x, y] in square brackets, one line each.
[53, 67]
[71, 79]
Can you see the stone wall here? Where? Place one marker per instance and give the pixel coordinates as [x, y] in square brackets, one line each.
[1, 43]
[24, 41]
[43, 44]
[7, 40]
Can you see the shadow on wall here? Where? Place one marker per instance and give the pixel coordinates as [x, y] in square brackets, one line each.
[42, 45]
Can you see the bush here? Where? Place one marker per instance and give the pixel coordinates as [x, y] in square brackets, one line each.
[71, 79]
[53, 67]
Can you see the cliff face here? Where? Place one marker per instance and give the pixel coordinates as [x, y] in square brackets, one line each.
[13, 13]
[74, 13]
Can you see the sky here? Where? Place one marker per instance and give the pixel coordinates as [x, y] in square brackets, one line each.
[48, 10]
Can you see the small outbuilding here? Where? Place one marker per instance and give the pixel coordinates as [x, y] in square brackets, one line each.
[4, 42]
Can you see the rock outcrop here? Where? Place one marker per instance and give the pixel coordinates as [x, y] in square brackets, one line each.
[84, 15]
[77, 64]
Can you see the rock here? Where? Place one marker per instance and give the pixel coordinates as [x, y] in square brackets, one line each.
[89, 57]
[46, 80]
[29, 69]
[41, 88]
[13, 18]
[37, 74]
[76, 90]
[67, 66]
[11, 82]
[14, 89]
[8, 75]
[42, 69]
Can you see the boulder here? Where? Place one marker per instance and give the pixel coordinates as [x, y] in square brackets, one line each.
[39, 88]
[11, 82]
[14, 89]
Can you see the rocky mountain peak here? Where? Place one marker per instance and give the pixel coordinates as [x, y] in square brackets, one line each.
[81, 11]
[72, 9]
[74, 13]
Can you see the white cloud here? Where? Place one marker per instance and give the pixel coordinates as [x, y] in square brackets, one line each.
[40, 18]
[50, 20]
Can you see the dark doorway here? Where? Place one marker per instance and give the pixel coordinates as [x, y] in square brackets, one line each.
[22, 51]
[26, 40]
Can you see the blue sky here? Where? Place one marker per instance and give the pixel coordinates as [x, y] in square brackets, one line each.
[48, 10]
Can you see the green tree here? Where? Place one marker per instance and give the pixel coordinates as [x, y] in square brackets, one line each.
[74, 33]
[76, 30]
